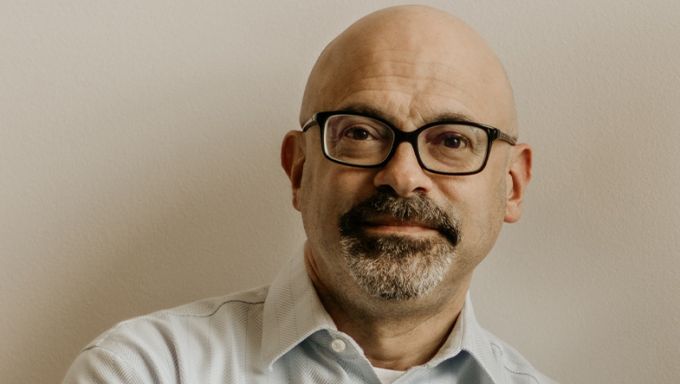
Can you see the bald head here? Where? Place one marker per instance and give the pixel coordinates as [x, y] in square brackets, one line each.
[413, 62]
[417, 70]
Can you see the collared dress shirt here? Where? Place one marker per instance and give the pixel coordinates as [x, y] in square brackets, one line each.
[277, 334]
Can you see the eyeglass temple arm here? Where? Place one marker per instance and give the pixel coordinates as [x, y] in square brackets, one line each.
[505, 137]
[308, 124]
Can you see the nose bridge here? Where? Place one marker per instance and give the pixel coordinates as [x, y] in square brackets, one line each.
[406, 137]
[403, 171]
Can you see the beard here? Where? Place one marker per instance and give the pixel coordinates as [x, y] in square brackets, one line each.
[396, 267]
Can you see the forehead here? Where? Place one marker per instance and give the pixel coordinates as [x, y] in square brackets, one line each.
[411, 66]
[410, 88]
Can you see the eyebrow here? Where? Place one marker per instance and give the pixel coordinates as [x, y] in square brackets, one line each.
[363, 109]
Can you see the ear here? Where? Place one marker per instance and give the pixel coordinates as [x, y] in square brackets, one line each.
[517, 179]
[292, 161]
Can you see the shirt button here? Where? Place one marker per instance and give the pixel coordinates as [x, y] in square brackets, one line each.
[338, 345]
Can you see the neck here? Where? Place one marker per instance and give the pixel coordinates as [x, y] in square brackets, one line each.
[398, 342]
[395, 334]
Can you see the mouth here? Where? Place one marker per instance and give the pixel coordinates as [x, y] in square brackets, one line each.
[391, 225]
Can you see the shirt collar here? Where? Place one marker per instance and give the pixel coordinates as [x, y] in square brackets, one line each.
[468, 335]
[293, 312]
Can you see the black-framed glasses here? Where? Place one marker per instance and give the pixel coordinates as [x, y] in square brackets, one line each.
[447, 147]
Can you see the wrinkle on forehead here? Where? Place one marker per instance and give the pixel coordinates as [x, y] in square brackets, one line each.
[414, 50]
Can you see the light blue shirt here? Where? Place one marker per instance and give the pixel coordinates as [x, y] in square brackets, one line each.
[279, 334]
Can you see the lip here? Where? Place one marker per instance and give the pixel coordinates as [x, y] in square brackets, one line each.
[392, 225]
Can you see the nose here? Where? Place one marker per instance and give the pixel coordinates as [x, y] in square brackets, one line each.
[403, 173]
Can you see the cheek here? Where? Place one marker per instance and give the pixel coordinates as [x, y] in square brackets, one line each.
[479, 205]
[328, 191]
[488, 195]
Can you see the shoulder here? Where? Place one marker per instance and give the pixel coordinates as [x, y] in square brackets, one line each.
[155, 345]
[215, 314]
[215, 306]
[516, 368]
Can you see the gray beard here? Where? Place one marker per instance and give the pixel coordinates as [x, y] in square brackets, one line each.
[396, 267]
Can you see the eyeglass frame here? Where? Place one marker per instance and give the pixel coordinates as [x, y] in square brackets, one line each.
[492, 133]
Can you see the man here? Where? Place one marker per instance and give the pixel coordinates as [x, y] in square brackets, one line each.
[404, 170]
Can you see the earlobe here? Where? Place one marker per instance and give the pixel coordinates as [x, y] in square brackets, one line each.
[292, 161]
[517, 179]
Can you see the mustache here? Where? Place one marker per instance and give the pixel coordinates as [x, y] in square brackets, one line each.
[386, 203]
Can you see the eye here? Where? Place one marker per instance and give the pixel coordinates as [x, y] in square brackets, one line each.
[358, 133]
[354, 130]
[451, 140]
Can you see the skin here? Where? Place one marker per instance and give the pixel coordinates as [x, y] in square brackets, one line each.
[412, 64]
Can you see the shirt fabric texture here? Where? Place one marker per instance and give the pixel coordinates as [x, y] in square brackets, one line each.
[387, 376]
[278, 334]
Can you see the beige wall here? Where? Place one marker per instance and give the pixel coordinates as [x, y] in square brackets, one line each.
[139, 170]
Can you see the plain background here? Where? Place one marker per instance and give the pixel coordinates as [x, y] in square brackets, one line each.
[139, 170]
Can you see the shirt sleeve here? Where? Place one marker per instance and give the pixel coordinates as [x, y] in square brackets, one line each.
[101, 366]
